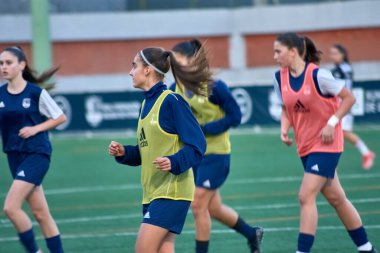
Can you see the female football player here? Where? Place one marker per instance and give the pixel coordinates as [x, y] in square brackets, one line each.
[170, 143]
[216, 113]
[27, 112]
[343, 71]
[313, 105]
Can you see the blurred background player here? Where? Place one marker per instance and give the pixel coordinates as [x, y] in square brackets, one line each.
[313, 104]
[216, 114]
[24, 107]
[343, 71]
[170, 143]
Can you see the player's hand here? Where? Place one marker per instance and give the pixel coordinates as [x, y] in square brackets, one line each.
[163, 163]
[285, 139]
[27, 132]
[116, 149]
[328, 134]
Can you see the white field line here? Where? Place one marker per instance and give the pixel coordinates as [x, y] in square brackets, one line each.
[287, 205]
[6, 223]
[215, 231]
[297, 178]
[264, 180]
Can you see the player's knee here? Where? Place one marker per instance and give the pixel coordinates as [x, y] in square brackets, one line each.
[9, 210]
[336, 200]
[41, 215]
[305, 198]
[198, 207]
[166, 249]
[214, 211]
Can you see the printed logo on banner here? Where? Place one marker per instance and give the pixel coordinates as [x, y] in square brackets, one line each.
[372, 102]
[94, 115]
[275, 106]
[244, 101]
[65, 106]
[98, 111]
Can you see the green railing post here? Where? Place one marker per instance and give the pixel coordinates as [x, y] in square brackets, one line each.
[41, 42]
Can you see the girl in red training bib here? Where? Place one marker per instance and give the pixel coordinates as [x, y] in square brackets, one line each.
[313, 104]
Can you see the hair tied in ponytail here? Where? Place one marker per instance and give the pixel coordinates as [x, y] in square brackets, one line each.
[166, 54]
[197, 44]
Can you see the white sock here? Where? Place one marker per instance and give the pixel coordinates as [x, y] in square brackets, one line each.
[363, 149]
[365, 247]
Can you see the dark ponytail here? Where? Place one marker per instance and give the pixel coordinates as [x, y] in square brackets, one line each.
[29, 74]
[196, 76]
[343, 51]
[304, 45]
[312, 54]
[188, 48]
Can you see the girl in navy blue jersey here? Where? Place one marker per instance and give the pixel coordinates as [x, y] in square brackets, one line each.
[26, 113]
[216, 113]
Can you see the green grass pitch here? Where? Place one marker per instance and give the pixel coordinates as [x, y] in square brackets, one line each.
[96, 202]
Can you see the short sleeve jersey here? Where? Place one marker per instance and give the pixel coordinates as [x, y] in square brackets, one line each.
[30, 107]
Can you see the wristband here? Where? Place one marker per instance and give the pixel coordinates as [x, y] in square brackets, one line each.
[333, 121]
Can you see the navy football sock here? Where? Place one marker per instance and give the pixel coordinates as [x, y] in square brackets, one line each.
[201, 246]
[358, 236]
[54, 244]
[243, 228]
[305, 242]
[27, 239]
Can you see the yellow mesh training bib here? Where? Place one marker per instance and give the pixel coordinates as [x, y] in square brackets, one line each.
[205, 112]
[155, 142]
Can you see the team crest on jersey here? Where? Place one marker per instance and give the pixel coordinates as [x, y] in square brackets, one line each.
[143, 141]
[26, 103]
[306, 90]
[154, 119]
[201, 100]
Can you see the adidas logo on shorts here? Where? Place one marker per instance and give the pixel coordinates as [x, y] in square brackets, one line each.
[207, 183]
[147, 215]
[21, 174]
[315, 167]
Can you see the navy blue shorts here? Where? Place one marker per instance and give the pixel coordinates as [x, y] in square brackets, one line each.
[28, 167]
[166, 213]
[212, 172]
[321, 163]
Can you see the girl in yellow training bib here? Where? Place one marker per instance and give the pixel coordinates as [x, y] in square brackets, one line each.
[216, 114]
[170, 143]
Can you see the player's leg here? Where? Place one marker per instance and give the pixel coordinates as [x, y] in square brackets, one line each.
[368, 156]
[348, 214]
[150, 238]
[202, 219]
[351, 137]
[41, 212]
[231, 218]
[310, 187]
[168, 244]
[17, 194]
[221, 212]
[162, 218]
